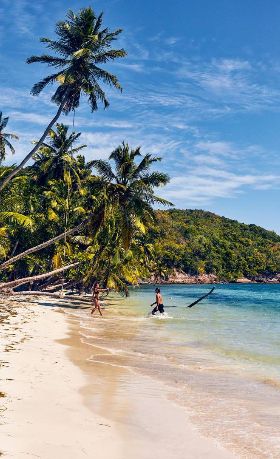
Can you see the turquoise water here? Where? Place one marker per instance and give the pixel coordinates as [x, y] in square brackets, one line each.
[240, 322]
[219, 359]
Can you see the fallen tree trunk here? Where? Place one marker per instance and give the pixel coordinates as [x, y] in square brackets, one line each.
[50, 285]
[53, 287]
[201, 298]
[26, 280]
[44, 244]
[53, 295]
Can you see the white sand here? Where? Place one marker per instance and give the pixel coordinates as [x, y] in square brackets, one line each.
[48, 415]
[45, 416]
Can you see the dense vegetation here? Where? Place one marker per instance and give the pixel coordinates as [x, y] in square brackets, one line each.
[199, 242]
[98, 219]
[121, 238]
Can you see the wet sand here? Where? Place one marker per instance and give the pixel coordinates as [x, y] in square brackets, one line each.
[61, 403]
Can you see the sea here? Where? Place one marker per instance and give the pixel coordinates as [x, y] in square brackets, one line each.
[220, 359]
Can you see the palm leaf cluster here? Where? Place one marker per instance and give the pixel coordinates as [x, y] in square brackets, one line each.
[82, 45]
[130, 188]
[5, 138]
[56, 159]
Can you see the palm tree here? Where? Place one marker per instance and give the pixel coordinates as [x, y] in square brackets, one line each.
[4, 136]
[82, 45]
[120, 254]
[129, 187]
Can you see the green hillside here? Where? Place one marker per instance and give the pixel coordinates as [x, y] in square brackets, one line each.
[201, 242]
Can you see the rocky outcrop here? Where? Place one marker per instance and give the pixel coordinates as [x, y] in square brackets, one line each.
[261, 279]
[243, 280]
[267, 279]
[180, 277]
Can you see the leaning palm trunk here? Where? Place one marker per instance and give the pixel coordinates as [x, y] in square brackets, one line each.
[44, 244]
[76, 301]
[25, 280]
[36, 147]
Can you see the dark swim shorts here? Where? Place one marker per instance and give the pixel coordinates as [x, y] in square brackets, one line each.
[161, 308]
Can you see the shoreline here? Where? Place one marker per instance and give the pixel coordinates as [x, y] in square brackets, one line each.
[61, 404]
[182, 278]
[237, 282]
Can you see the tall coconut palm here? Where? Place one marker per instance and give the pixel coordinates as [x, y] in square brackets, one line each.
[82, 45]
[4, 136]
[130, 188]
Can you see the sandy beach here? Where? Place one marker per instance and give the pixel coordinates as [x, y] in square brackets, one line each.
[58, 404]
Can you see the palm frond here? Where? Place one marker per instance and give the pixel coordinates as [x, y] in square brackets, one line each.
[111, 54]
[95, 94]
[106, 77]
[3, 121]
[162, 201]
[10, 146]
[38, 87]
[144, 165]
[16, 217]
[10, 136]
[155, 179]
[98, 24]
[47, 59]
[57, 46]
[104, 169]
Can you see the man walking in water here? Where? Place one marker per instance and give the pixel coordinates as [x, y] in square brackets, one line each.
[159, 303]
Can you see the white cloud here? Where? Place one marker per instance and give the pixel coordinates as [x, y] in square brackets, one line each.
[231, 65]
[202, 186]
[232, 84]
[139, 68]
[216, 148]
[172, 40]
[34, 118]
[162, 38]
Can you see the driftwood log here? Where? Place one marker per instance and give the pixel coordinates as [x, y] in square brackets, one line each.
[72, 298]
[201, 298]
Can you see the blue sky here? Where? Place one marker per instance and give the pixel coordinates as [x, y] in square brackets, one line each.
[201, 89]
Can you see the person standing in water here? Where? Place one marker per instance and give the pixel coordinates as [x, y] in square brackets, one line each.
[95, 297]
[159, 303]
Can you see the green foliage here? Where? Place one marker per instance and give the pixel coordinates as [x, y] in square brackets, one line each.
[60, 191]
[201, 242]
[4, 138]
[125, 239]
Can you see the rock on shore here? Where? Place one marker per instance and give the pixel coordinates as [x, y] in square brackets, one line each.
[180, 277]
